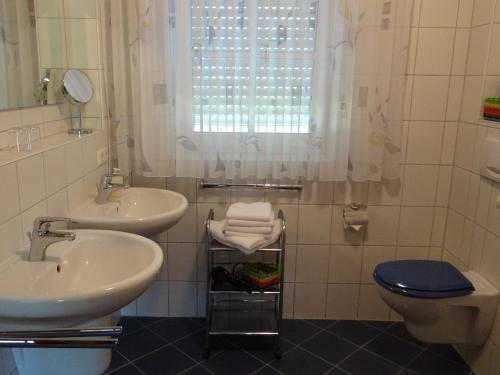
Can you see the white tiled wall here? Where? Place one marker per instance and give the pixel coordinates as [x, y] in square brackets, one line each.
[329, 270]
[62, 171]
[472, 238]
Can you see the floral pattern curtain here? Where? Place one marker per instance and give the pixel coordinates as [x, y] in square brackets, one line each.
[268, 89]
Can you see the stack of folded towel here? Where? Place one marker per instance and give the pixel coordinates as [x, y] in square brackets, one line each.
[247, 227]
[249, 220]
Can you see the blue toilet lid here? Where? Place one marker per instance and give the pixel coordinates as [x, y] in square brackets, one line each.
[422, 279]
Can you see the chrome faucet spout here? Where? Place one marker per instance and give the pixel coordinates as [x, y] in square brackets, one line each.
[42, 237]
[106, 187]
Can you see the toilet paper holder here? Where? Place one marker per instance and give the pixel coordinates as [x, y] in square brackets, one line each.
[355, 216]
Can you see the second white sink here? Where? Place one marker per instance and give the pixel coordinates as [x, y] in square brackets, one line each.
[141, 211]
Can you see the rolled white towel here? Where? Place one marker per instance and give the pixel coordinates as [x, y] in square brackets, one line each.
[253, 230]
[229, 233]
[249, 223]
[258, 211]
[246, 244]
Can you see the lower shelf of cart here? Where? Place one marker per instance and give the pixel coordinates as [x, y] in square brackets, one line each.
[240, 318]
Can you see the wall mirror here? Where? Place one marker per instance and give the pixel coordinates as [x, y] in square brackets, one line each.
[21, 80]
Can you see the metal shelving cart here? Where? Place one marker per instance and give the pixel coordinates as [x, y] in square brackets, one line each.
[237, 311]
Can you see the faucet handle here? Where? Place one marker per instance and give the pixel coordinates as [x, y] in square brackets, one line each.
[42, 223]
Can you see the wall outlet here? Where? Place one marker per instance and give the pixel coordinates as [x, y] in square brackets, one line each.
[102, 156]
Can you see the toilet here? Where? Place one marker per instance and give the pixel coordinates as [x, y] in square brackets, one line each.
[439, 304]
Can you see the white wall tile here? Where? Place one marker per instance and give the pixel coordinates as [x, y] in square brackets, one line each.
[438, 13]
[342, 301]
[31, 179]
[371, 306]
[449, 142]
[75, 163]
[382, 228]
[444, 183]
[438, 226]
[183, 231]
[460, 51]
[314, 222]
[455, 98]
[478, 47]
[9, 199]
[339, 235]
[483, 202]
[465, 12]
[312, 263]
[310, 301]
[430, 95]
[182, 261]
[494, 58]
[372, 256]
[182, 298]
[345, 264]
[482, 12]
[154, 301]
[11, 237]
[56, 176]
[420, 183]
[490, 265]
[415, 226]
[472, 99]
[424, 142]
[435, 51]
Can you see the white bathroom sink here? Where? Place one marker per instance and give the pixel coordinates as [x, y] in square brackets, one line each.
[140, 210]
[93, 276]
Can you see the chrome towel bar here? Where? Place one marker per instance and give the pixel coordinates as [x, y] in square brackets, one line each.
[217, 185]
[101, 337]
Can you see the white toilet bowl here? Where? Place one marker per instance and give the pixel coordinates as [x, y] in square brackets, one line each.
[463, 319]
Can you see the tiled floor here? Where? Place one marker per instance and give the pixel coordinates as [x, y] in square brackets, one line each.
[154, 346]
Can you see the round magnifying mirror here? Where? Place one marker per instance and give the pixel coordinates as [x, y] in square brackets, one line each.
[78, 86]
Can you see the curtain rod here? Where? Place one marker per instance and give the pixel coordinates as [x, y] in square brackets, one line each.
[217, 185]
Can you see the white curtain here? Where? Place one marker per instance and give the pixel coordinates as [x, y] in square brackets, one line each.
[268, 89]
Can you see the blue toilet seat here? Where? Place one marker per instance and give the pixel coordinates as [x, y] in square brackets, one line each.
[422, 279]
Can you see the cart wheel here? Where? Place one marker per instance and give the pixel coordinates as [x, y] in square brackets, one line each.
[206, 353]
[277, 353]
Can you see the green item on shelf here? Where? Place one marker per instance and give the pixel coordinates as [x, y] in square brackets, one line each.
[260, 274]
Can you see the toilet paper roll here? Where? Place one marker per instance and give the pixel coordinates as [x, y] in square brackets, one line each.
[358, 218]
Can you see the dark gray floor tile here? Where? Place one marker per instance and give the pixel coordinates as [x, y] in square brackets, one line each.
[408, 372]
[297, 331]
[429, 363]
[263, 347]
[127, 370]
[446, 351]
[197, 370]
[232, 362]
[354, 331]
[366, 363]
[139, 343]
[329, 347]
[129, 325]
[166, 361]
[147, 320]
[379, 324]
[174, 328]
[394, 349]
[337, 371]
[399, 330]
[321, 323]
[117, 360]
[194, 344]
[299, 362]
[267, 371]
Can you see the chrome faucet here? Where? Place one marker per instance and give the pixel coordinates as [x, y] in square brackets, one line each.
[41, 236]
[106, 187]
